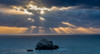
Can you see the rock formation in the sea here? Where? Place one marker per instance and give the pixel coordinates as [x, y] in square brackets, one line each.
[45, 44]
[30, 50]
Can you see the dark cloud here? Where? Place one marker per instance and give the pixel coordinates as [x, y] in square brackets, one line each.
[60, 3]
[83, 3]
[80, 17]
[14, 2]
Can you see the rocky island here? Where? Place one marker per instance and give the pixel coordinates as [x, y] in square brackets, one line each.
[45, 44]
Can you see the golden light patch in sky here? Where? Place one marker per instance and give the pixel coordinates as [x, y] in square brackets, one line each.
[30, 19]
[41, 9]
[57, 30]
[52, 30]
[13, 12]
[27, 12]
[78, 30]
[42, 19]
[96, 30]
[6, 30]
[31, 29]
[68, 24]
[41, 30]
[35, 7]
[42, 12]
[85, 30]
[63, 30]
[54, 8]
[70, 30]
[19, 9]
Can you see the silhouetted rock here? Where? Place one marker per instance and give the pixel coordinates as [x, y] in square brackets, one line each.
[29, 50]
[45, 44]
[56, 46]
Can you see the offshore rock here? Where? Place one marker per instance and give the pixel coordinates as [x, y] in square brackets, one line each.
[29, 50]
[45, 44]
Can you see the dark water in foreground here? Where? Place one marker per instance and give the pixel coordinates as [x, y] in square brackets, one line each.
[69, 44]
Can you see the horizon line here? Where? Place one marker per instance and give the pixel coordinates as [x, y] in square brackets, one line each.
[46, 34]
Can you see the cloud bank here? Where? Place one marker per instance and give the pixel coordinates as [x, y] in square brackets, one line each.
[51, 15]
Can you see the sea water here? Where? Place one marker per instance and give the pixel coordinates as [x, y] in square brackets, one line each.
[69, 44]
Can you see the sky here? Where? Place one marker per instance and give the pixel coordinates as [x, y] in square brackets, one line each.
[50, 16]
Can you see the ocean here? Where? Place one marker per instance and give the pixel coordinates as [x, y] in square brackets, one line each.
[69, 44]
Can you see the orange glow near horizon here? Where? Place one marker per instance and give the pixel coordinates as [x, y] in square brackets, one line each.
[68, 29]
[63, 30]
[78, 30]
[85, 30]
[7, 30]
[41, 30]
[57, 30]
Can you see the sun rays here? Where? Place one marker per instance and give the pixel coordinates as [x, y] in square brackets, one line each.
[32, 10]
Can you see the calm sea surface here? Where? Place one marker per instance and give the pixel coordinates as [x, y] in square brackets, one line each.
[69, 44]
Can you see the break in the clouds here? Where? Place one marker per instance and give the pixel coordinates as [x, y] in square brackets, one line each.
[8, 10]
[51, 16]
